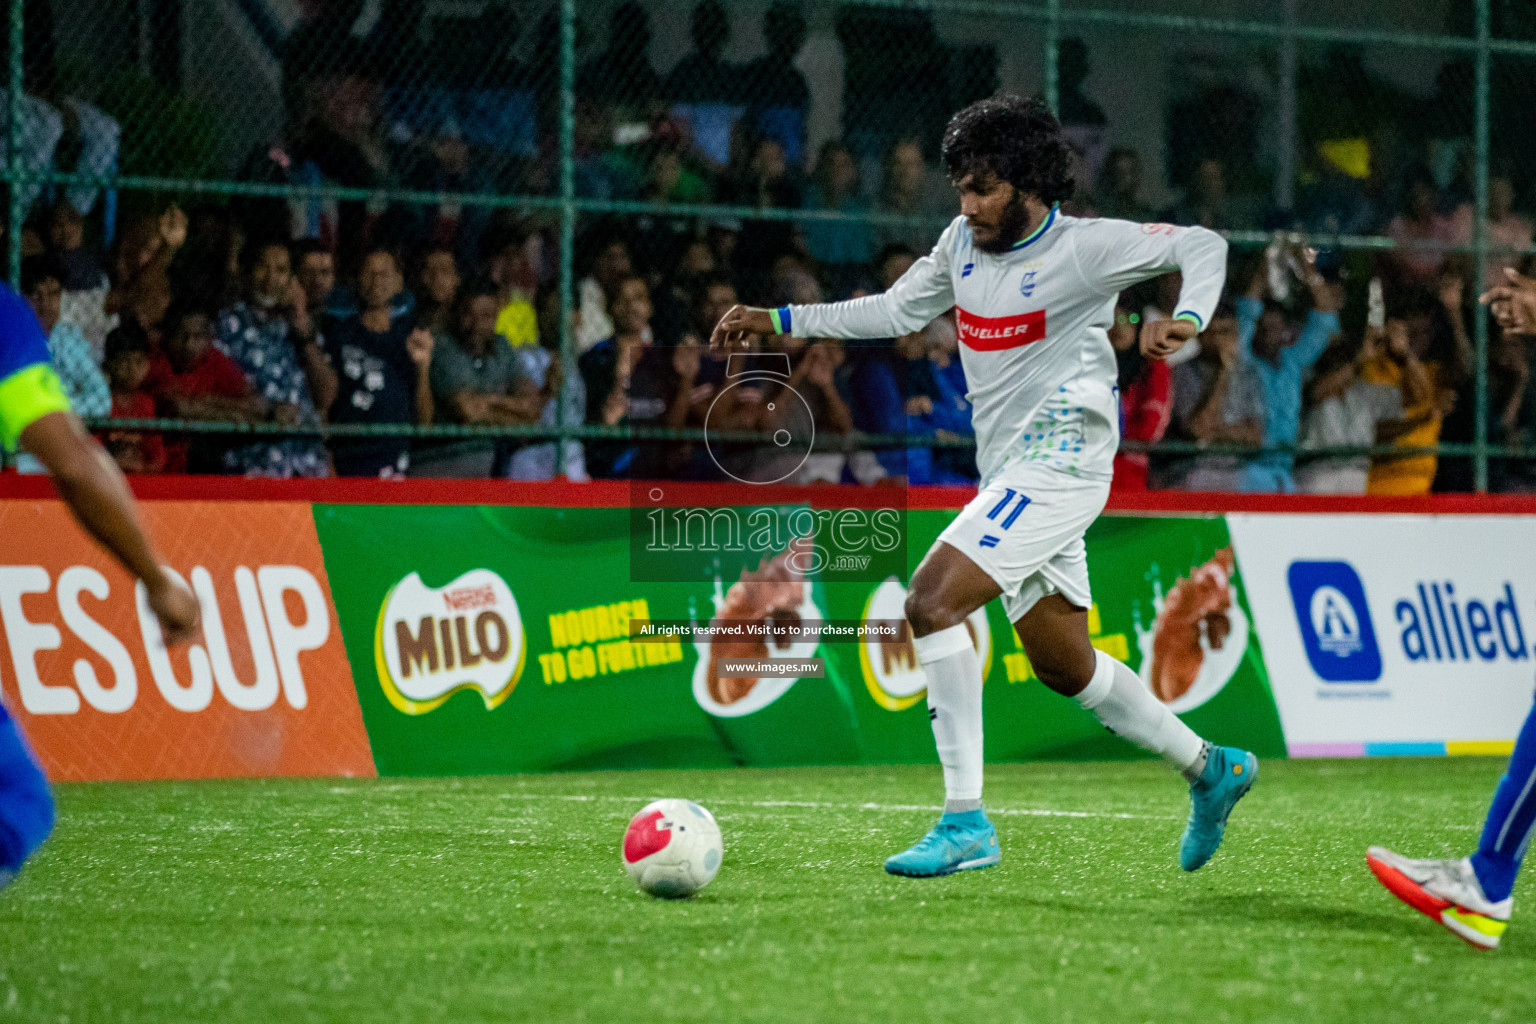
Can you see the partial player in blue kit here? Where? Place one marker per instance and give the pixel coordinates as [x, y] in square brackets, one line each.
[1472, 896]
[35, 414]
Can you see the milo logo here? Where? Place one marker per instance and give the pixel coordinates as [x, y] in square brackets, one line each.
[891, 671]
[430, 642]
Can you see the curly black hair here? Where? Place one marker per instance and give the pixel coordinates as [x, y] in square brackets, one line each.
[1016, 139]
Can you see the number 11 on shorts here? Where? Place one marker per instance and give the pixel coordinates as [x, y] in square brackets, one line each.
[1008, 498]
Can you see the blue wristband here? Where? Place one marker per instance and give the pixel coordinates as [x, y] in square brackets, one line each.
[1193, 318]
[781, 320]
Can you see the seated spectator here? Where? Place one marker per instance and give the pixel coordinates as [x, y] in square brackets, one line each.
[1217, 399]
[1205, 199]
[542, 365]
[1146, 397]
[621, 77]
[1506, 229]
[42, 284]
[779, 97]
[505, 250]
[1513, 411]
[383, 363]
[1423, 359]
[929, 401]
[881, 377]
[1420, 222]
[85, 285]
[66, 238]
[206, 270]
[736, 410]
[706, 91]
[674, 301]
[659, 236]
[476, 380]
[630, 382]
[767, 183]
[892, 262]
[314, 266]
[1119, 194]
[611, 267]
[880, 399]
[1339, 200]
[447, 163]
[1281, 356]
[1459, 424]
[127, 369]
[904, 192]
[842, 248]
[1083, 123]
[438, 280]
[342, 143]
[940, 379]
[192, 380]
[1345, 410]
[823, 416]
[144, 254]
[271, 335]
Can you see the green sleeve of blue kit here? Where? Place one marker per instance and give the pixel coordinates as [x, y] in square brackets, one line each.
[26, 396]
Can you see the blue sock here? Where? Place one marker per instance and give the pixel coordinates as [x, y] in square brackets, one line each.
[1507, 831]
[26, 806]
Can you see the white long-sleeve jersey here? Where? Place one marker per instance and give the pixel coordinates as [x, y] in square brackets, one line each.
[1033, 327]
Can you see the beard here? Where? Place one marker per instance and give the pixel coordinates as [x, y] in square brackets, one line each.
[1010, 227]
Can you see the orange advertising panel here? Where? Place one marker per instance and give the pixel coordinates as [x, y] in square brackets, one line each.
[267, 690]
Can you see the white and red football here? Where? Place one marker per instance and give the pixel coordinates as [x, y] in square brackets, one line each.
[672, 848]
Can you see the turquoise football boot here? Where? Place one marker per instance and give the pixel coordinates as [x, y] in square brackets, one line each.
[1229, 774]
[959, 842]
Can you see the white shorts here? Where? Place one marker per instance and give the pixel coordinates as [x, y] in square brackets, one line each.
[1025, 530]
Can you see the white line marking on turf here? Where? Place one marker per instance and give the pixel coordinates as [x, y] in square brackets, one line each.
[1031, 812]
[1036, 812]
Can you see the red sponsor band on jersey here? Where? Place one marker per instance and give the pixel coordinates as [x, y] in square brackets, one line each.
[995, 333]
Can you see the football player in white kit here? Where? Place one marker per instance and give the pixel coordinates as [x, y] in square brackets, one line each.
[1034, 292]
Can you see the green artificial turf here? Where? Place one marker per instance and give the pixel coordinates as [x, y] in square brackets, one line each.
[503, 899]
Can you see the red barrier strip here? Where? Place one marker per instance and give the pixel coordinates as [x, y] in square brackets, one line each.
[622, 494]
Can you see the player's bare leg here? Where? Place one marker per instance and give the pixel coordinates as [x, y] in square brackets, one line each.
[1055, 637]
[946, 588]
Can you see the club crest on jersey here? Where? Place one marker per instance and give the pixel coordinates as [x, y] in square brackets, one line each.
[995, 333]
[1027, 285]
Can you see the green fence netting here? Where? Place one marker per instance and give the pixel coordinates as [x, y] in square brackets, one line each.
[745, 132]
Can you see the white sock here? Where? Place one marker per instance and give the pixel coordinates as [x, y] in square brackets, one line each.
[1124, 705]
[954, 708]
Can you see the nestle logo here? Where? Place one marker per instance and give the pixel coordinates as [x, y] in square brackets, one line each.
[467, 598]
[996, 333]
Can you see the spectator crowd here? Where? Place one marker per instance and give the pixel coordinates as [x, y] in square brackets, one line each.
[308, 314]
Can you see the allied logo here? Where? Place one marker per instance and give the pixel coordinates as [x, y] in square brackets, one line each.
[1027, 285]
[432, 642]
[1335, 621]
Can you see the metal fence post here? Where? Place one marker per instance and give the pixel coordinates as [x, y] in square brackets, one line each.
[567, 222]
[1052, 50]
[1480, 246]
[1285, 168]
[13, 147]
